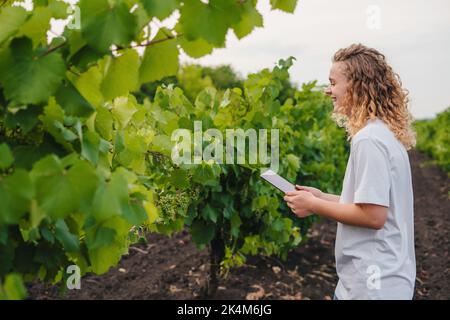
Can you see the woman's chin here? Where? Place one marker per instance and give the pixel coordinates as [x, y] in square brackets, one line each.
[335, 106]
[338, 109]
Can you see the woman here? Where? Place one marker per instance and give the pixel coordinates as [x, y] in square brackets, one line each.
[374, 249]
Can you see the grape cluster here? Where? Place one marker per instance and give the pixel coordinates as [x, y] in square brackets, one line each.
[173, 204]
[17, 136]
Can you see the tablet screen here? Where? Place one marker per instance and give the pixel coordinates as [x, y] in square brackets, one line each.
[277, 181]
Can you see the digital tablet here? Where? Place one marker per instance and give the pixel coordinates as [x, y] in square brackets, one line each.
[277, 181]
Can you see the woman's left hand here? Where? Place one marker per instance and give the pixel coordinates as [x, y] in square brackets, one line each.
[300, 202]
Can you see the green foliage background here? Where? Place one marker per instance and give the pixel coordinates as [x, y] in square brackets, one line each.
[85, 143]
[433, 138]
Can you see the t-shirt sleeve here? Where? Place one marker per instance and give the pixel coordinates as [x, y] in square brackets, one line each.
[372, 177]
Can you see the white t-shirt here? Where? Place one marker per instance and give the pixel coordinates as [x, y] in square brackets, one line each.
[377, 264]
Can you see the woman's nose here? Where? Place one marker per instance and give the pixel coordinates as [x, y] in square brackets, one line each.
[328, 90]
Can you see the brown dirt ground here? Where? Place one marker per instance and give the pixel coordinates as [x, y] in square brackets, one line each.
[172, 268]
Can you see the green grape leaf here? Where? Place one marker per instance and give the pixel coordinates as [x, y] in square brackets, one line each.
[160, 9]
[122, 75]
[105, 23]
[204, 174]
[235, 224]
[6, 156]
[54, 191]
[26, 118]
[250, 18]
[123, 109]
[58, 8]
[47, 234]
[52, 122]
[75, 41]
[73, 103]
[209, 21]
[88, 84]
[151, 210]
[16, 191]
[171, 122]
[195, 48]
[160, 59]
[31, 78]
[293, 162]
[11, 18]
[100, 237]
[67, 134]
[90, 146]
[209, 213]
[142, 20]
[105, 257]
[104, 123]
[70, 241]
[162, 143]
[36, 26]
[179, 179]
[13, 288]
[202, 232]
[110, 198]
[284, 5]
[134, 213]
[40, 3]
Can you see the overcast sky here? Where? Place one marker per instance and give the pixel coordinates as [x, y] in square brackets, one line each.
[413, 34]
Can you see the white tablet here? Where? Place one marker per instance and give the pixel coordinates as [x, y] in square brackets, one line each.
[277, 181]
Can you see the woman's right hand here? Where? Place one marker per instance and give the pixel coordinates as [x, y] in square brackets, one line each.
[316, 192]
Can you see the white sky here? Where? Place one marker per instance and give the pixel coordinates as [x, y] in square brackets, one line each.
[413, 34]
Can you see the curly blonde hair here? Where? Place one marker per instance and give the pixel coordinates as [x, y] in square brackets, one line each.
[374, 91]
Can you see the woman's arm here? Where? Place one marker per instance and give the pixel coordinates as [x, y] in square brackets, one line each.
[370, 216]
[319, 194]
[330, 197]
